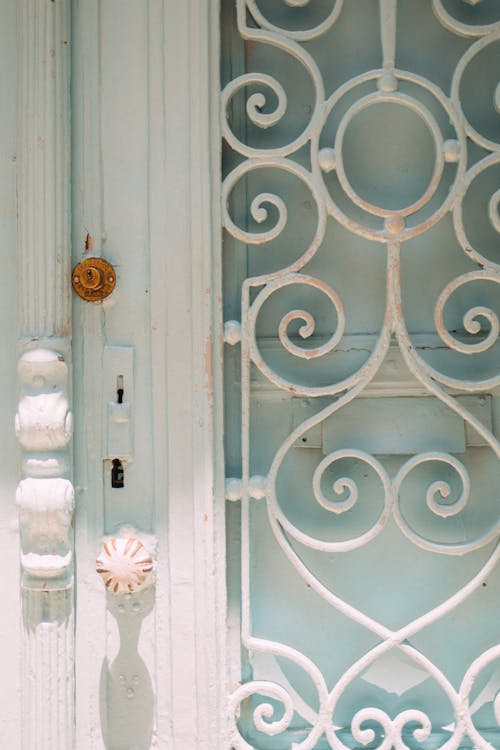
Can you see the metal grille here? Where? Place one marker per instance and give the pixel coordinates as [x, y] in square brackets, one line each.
[360, 203]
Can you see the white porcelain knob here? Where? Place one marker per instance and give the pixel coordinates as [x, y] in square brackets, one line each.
[125, 565]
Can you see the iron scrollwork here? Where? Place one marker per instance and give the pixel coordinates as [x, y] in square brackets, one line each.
[333, 490]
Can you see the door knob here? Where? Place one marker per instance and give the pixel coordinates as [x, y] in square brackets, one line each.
[125, 565]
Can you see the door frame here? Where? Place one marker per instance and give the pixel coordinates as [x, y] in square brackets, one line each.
[192, 560]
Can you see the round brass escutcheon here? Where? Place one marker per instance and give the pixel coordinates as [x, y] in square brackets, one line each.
[94, 279]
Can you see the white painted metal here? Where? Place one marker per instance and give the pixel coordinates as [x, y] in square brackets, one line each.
[119, 428]
[391, 227]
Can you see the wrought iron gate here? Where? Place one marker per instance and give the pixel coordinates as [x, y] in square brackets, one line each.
[360, 203]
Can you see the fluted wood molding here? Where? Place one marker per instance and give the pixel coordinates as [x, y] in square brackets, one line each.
[43, 167]
[48, 644]
[44, 420]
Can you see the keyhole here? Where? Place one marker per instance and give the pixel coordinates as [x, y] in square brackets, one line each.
[92, 278]
[119, 389]
[117, 474]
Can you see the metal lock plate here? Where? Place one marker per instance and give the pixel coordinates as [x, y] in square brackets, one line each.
[94, 279]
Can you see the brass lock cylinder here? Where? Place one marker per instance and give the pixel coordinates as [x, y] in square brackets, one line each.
[94, 279]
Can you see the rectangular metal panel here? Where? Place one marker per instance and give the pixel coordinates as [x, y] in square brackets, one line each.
[395, 426]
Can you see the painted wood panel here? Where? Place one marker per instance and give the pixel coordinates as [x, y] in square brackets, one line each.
[145, 116]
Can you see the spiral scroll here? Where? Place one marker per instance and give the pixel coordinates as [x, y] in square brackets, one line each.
[471, 318]
[258, 100]
[266, 717]
[348, 484]
[255, 104]
[263, 714]
[305, 331]
[436, 489]
[391, 729]
[259, 211]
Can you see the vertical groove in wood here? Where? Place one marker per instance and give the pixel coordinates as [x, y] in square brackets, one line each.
[43, 167]
[87, 353]
[48, 621]
[43, 422]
